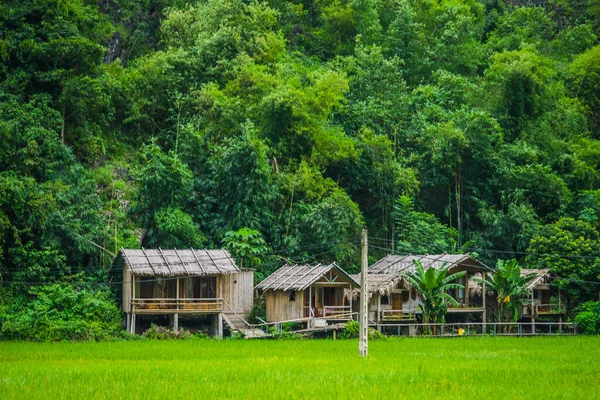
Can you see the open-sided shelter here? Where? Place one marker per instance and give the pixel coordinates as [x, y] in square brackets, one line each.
[184, 282]
[295, 292]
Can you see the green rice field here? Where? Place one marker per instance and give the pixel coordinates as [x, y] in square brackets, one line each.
[459, 368]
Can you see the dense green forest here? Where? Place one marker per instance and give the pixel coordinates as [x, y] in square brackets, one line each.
[278, 129]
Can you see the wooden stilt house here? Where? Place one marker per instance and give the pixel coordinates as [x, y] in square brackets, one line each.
[392, 299]
[546, 300]
[543, 303]
[296, 292]
[184, 282]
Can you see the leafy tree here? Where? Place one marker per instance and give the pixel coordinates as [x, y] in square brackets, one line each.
[433, 286]
[569, 248]
[584, 82]
[510, 287]
[247, 245]
[420, 232]
[164, 184]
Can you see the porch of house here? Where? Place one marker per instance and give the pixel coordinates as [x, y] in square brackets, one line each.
[176, 296]
[327, 301]
[403, 306]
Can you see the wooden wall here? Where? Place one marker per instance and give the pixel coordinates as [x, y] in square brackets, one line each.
[126, 289]
[238, 291]
[280, 308]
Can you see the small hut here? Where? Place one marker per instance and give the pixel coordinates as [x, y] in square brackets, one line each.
[392, 299]
[296, 292]
[184, 282]
[544, 301]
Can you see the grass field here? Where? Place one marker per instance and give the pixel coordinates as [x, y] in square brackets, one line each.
[464, 368]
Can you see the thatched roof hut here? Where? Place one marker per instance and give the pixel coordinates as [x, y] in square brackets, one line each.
[378, 283]
[394, 264]
[542, 279]
[173, 263]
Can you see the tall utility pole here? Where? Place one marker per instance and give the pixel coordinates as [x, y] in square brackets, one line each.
[363, 343]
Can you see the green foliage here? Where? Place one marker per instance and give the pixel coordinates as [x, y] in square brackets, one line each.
[290, 125]
[419, 232]
[578, 268]
[156, 332]
[247, 245]
[510, 288]
[61, 312]
[587, 317]
[433, 286]
[351, 331]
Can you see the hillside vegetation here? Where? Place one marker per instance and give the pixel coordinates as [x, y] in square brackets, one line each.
[278, 129]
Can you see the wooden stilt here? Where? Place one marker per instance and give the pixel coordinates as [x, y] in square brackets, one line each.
[220, 326]
[133, 322]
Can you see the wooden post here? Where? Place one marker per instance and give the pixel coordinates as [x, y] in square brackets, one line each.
[532, 313]
[132, 320]
[378, 308]
[484, 316]
[363, 344]
[176, 316]
[310, 315]
[220, 326]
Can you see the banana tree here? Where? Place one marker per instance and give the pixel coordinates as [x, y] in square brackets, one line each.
[433, 286]
[510, 288]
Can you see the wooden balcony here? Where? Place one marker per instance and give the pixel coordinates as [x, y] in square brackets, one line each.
[397, 315]
[179, 306]
[329, 312]
[549, 309]
[466, 305]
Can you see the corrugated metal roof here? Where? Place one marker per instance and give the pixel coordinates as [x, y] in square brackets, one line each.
[188, 262]
[299, 277]
[394, 264]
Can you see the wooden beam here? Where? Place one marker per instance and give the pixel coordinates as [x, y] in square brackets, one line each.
[230, 259]
[182, 263]
[198, 261]
[213, 261]
[309, 270]
[165, 259]
[149, 263]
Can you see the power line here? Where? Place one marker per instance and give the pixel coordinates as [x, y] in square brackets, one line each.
[432, 257]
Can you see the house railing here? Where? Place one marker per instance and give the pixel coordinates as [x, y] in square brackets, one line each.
[391, 315]
[465, 302]
[206, 305]
[327, 312]
[479, 328]
[336, 311]
[549, 309]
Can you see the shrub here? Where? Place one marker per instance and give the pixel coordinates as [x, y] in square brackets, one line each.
[61, 312]
[156, 332]
[587, 318]
[352, 330]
